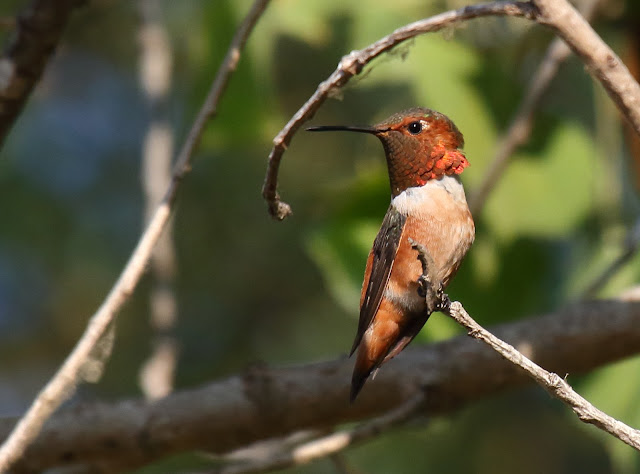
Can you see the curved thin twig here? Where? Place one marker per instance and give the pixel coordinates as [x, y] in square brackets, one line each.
[66, 378]
[353, 63]
[601, 61]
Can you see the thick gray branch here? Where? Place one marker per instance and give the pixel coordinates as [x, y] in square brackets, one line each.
[599, 58]
[265, 403]
[522, 122]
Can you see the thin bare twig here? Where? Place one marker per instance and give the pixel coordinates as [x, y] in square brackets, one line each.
[330, 444]
[66, 378]
[630, 248]
[352, 64]
[551, 382]
[522, 122]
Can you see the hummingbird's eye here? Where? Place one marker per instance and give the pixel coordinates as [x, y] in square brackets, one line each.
[415, 127]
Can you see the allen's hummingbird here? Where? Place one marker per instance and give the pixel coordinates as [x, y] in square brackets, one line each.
[428, 206]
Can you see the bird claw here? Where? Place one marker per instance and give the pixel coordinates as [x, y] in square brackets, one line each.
[436, 298]
[443, 302]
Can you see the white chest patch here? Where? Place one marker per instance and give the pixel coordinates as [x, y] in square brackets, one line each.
[414, 200]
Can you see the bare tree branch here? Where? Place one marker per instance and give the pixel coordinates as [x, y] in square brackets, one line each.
[551, 382]
[599, 58]
[352, 64]
[264, 403]
[522, 122]
[37, 32]
[245, 409]
[63, 382]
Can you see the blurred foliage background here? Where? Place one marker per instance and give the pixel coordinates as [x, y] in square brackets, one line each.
[251, 290]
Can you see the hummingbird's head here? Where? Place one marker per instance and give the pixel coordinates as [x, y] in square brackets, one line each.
[420, 145]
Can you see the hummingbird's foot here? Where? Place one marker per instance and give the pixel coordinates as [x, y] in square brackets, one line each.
[436, 298]
[443, 303]
[433, 293]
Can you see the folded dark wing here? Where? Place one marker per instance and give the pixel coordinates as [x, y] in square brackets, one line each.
[379, 265]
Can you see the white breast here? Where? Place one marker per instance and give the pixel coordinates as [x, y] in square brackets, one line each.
[413, 200]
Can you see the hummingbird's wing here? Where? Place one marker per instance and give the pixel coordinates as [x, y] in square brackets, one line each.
[378, 269]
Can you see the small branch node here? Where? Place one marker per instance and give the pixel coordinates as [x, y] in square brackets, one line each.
[555, 381]
[279, 210]
[474, 333]
[351, 63]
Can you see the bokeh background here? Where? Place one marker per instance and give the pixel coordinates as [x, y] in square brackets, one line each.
[250, 290]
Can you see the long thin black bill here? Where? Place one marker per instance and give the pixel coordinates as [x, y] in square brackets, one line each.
[344, 128]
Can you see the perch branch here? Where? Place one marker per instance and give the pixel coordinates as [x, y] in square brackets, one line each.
[265, 403]
[551, 382]
[63, 382]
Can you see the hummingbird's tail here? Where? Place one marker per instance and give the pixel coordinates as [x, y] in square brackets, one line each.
[358, 379]
[384, 340]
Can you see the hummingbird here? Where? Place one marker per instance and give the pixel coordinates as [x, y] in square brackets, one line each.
[428, 206]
